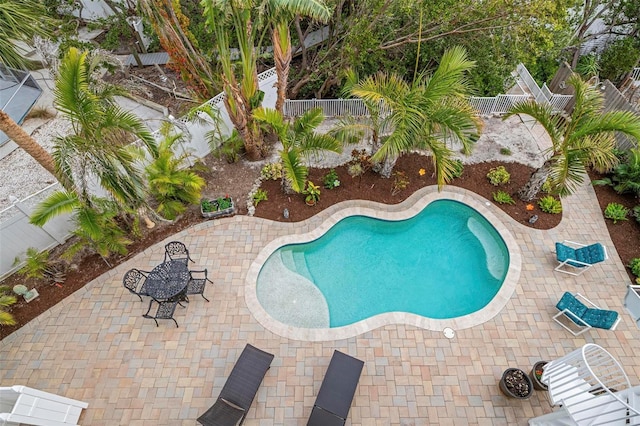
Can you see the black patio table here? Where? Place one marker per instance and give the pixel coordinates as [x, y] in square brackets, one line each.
[167, 280]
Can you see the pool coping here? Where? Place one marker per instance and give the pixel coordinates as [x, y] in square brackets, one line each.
[407, 209]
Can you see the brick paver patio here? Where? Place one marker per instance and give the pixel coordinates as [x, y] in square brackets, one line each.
[96, 347]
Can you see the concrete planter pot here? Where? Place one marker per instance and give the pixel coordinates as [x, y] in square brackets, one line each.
[209, 209]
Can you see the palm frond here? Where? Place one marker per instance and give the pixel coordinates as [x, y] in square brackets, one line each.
[55, 204]
[293, 169]
[308, 122]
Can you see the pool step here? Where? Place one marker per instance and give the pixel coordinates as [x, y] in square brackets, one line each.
[296, 262]
[301, 265]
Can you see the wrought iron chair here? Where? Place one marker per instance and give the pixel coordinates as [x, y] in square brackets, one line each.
[134, 280]
[166, 309]
[197, 283]
[175, 250]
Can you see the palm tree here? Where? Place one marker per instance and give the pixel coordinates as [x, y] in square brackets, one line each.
[97, 146]
[430, 113]
[22, 20]
[238, 23]
[280, 15]
[170, 183]
[586, 138]
[299, 141]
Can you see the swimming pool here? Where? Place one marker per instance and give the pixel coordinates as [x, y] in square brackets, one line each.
[445, 262]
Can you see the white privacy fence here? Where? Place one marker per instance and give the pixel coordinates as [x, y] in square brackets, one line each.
[636, 74]
[17, 234]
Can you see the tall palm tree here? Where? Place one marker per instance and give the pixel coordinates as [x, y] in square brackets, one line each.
[22, 20]
[237, 23]
[431, 113]
[226, 18]
[280, 15]
[584, 139]
[101, 132]
[98, 149]
[299, 141]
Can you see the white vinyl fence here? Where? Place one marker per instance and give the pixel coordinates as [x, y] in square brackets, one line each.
[17, 234]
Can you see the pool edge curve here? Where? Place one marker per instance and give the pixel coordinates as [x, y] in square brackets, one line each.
[407, 209]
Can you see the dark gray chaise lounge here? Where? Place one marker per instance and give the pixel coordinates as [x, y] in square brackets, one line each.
[241, 387]
[336, 391]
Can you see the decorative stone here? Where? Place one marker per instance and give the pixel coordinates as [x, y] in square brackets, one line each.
[533, 219]
[30, 295]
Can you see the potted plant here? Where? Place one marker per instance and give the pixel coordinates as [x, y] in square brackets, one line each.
[515, 383]
[312, 194]
[536, 375]
[221, 206]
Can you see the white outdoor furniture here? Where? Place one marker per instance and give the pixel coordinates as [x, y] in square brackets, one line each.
[632, 302]
[28, 406]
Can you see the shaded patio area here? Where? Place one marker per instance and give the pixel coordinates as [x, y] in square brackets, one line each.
[96, 347]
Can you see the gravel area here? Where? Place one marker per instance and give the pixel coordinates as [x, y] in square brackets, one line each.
[22, 176]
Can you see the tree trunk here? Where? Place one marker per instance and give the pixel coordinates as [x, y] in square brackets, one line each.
[286, 185]
[387, 167]
[282, 59]
[530, 189]
[26, 142]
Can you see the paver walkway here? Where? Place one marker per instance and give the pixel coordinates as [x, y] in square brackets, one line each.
[96, 347]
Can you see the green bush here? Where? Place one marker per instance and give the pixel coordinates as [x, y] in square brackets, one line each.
[502, 197]
[549, 204]
[498, 176]
[636, 212]
[260, 195]
[505, 151]
[635, 266]
[616, 212]
[546, 187]
[331, 180]
[458, 168]
[271, 171]
[619, 58]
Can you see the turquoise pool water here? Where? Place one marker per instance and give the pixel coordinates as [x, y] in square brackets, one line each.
[445, 262]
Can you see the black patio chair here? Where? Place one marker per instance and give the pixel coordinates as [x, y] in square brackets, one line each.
[336, 391]
[175, 250]
[237, 394]
[166, 309]
[197, 282]
[134, 280]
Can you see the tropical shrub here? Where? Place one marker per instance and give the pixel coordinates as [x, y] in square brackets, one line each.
[625, 176]
[355, 170]
[498, 176]
[616, 212]
[546, 187]
[171, 184]
[6, 300]
[505, 151]
[400, 182]
[458, 168]
[230, 148]
[635, 266]
[35, 263]
[548, 204]
[331, 180]
[502, 197]
[271, 171]
[260, 195]
[636, 212]
[312, 193]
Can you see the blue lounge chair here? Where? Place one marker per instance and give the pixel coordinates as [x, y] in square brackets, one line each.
[583, 317]
[575, 258]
